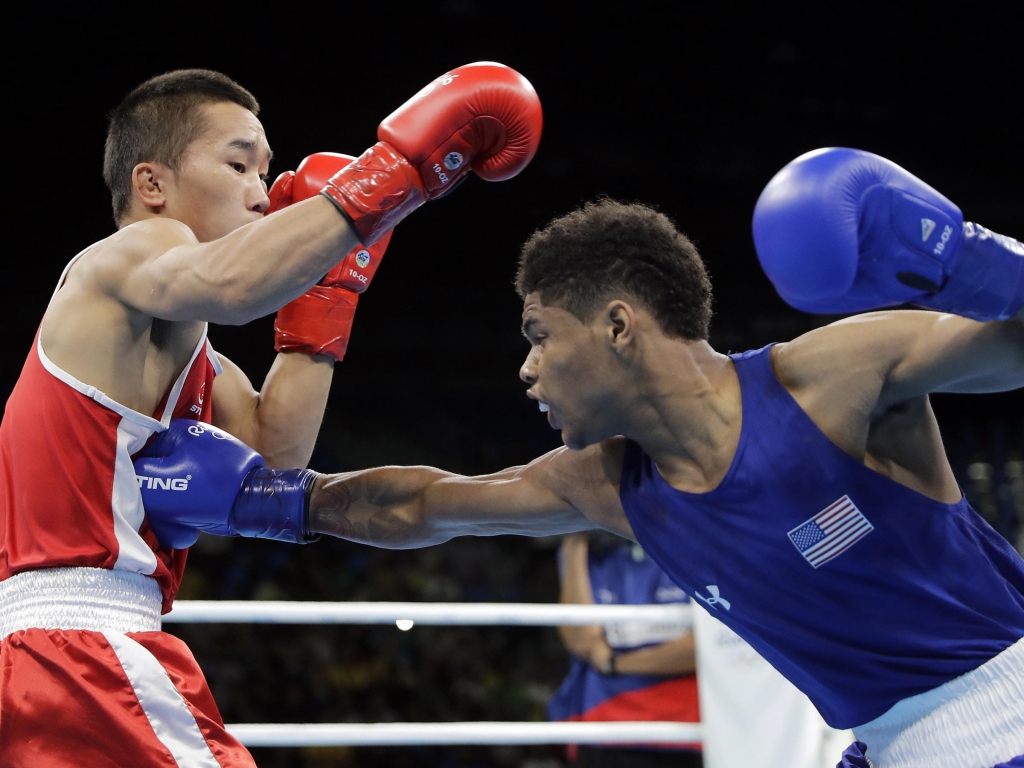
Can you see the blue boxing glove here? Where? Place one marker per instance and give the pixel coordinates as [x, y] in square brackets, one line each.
[842, 230]
[195, 477]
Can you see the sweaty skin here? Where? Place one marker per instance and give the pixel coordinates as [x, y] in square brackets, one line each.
[195, 247]
[864, 381]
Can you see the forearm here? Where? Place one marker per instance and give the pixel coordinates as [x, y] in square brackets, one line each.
[383, 507]
[254, 270]
[282, 420]
[404, 507]
[390, 507]
[575, 588]
[675, 657]
[290, 408]
[581, 640]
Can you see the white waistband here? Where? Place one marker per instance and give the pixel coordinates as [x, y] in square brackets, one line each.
[95, 599]
[973, 721]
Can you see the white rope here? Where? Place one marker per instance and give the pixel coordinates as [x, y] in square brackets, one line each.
[419, 734]
[472, 614]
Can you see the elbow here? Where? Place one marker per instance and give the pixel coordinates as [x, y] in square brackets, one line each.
[237, 305]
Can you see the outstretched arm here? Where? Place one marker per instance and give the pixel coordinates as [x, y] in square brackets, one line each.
[229, 490]
[406, 507]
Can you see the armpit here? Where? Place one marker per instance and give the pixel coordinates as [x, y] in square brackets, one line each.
[592, 486]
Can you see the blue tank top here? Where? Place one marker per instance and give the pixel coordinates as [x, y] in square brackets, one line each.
[858, 589]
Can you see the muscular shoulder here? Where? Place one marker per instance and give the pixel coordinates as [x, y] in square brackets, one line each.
[896, 350]
[838, 373]
[102, 272]
[137, 243]
[589, 480]
[865, 381]
[90, 293]
[862, 346]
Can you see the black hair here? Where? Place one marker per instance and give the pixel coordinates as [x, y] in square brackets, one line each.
[584, 259]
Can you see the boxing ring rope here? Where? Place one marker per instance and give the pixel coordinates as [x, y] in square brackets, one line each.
[451, 734]
[433, 614]
[405, 616]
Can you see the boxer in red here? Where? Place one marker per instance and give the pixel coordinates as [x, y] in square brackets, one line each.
[86, 676]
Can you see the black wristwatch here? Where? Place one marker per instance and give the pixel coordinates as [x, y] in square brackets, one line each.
[611, 670]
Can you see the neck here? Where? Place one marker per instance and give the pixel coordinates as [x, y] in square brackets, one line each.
[687, 413]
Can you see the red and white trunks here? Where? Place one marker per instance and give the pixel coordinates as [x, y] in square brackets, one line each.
[88, 679]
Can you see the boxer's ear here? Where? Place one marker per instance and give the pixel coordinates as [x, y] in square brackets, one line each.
[150, 182]
[619, 319]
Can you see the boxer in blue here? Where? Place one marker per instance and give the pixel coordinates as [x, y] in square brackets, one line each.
[800, 492]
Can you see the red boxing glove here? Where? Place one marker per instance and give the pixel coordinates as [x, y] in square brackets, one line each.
[280, 192]
[320, 321]
[484, 116]
[306, 181]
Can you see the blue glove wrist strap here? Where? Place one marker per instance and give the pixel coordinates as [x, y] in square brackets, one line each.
[987, 279]
[274, 504]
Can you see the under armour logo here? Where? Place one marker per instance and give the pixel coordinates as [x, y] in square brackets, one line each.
[715, 599]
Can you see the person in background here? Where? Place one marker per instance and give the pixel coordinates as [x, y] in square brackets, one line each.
[632, 671]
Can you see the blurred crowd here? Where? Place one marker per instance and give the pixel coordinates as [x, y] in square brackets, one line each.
[988, 460]
[265, 673]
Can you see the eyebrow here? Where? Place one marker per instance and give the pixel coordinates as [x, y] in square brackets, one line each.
[248, 145]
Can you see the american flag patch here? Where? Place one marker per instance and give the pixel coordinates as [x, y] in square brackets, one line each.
[830, 532]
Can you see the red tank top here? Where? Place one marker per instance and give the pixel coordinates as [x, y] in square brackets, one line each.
[68, 493]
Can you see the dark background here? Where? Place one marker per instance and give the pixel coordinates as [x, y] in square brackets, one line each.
[689, 107]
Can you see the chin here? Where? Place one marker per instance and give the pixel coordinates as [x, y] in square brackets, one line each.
[575, 442]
